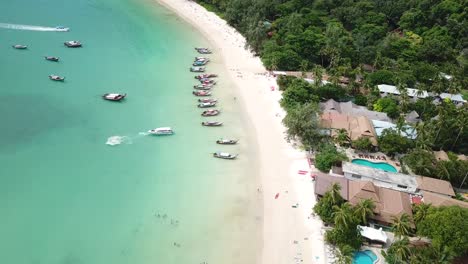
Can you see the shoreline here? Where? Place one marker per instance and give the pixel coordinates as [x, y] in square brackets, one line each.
[289, 234]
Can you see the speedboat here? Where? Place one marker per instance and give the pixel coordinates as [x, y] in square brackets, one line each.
[61, 28]
[223, 141]
[203, 50]
[202, 59]
[212, 123]
[197, 69]
[206, 75]
[203, 86]
[206, 105]
[161, 131]
[211, 112]
[56, 78]
[72, 44]
[207, 100]
[113, 96]
[20, 46]
[201, 93]
[224, 155]
[199, 63]
[50, 58]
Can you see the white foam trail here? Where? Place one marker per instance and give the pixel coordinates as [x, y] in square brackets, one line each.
[117, 140]
[29, 27]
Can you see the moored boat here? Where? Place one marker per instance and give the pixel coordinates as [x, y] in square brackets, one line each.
[207, 100]
[73, 44]
[201, 93]
[203, 87]
[161, 131]
[202, 59]
[203, 50]
[20, 46]
[211, 112]
[197, 69]
[113, 96]
[206, 105]
[224, 155]
[61, 28]
[199, 63]
[207, 81]
[224, 141]
[206, 75]
[212, 123]
[51, 58]
[56, 78]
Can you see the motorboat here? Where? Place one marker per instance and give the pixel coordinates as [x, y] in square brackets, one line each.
[207, 81]
[201, 93]
[224, 141]
[212, 123]
[206, 75]
[224, 155]
[62, 28]
[203, 50]
[113, 96]
[161, 131]
[56, 78]
[50, 58]
[202, 59]
[206, 105]
[199, 63]
[73, 44]
[20, 46]
[197, 69]
[207, 100]
[203, 86]
[211, 112]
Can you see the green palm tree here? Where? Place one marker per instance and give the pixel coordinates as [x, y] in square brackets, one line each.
[345, 255]
[335, 193]
[420, 212]
[461, 122]
[317, 71]
[401, 250]
[342, 216]
[364, 210]
[342, 138]
[401, 225]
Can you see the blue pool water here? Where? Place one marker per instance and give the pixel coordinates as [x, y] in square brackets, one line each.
[364, 257]
[377, 165]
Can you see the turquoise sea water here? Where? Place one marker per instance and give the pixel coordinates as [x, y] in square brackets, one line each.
[377, 165]
[364, 257]
[66, 196]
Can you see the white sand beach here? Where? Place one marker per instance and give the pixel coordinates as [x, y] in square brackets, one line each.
[290, 235]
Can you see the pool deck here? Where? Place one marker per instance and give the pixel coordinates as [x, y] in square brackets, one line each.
[372, 157]
[380, 259]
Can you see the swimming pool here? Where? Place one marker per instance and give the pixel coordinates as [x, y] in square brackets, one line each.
[364, 257]
[377, 165]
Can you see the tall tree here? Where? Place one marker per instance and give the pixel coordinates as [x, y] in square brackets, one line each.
[401, 225]
[364, 210]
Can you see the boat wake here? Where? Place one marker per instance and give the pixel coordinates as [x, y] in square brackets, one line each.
[118, 140]
[32, 28]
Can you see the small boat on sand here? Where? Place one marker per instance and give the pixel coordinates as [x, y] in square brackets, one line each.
[197, 69]
[201, 93]
[56, 78]
[113, 96]
[207, 100]
[50, 58]
[161, 131]
[20, 46]
[73, 44]
[206, 105]
[211, 112]
[224, 141]
[203, 86]
[212, 123]
[203, 50]
[206, 75]
[224, 155]
[207, 81]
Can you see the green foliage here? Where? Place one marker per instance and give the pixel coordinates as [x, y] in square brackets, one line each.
[325, 207]
[345, 234]
[398, 253]
[391, 143]
[360, 100]
[388, 106]
[364, 210]
[363, 144]
[330, 91]
[284, 81]
[298, 92]
[401, 225]
[447, 227]
[327, 157]
[302, 124]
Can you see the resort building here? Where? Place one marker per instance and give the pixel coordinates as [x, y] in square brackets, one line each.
[356, 126]
[349, 108]
[386, 89]
[455, 98]
[406, 131]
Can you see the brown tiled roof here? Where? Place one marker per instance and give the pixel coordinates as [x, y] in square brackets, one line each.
[394, 203]
[323, 183]
[435, 185]
[442, 200]
[356, 126]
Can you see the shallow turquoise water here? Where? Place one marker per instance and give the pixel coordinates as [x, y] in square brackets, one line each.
[377, 165]
[364, 257]
[66, 196]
